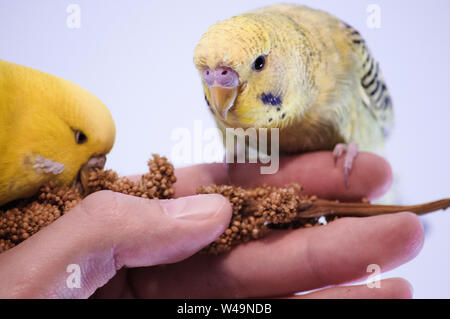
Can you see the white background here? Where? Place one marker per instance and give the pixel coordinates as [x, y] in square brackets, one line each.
[137, 57]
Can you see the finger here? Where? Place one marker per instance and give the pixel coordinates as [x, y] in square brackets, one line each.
[106, 232]
[287, 262]
[394, 288]
[371, 176]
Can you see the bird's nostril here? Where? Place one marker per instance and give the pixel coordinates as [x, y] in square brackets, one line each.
[222, 76]
[208, 76]
[226, 77]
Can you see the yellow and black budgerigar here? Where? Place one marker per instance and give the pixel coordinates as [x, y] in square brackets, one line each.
[300, 70]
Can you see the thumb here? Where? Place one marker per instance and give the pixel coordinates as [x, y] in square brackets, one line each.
[106, 232]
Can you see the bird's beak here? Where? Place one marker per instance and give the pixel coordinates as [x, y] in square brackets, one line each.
[223, 99]
[95, 162]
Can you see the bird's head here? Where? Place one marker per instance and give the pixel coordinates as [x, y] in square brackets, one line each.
[58, 130]
[252, 73]
[89, 133]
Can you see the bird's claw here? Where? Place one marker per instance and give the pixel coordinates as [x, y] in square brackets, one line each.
[351, 151]
[339, 149]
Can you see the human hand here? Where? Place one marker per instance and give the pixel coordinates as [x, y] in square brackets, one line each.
[109, 231]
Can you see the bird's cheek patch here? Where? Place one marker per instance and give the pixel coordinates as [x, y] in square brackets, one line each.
[270, 99]
[46, 165]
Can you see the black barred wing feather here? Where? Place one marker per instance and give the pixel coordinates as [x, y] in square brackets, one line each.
[373, 89]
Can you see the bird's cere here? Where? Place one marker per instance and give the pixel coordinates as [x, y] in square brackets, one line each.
[47, 166]
[221, 76]
[223, 83]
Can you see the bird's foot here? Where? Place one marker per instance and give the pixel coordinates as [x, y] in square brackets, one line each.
[351, 151]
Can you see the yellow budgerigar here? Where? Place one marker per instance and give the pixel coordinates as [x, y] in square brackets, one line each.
[300, 70]
[50, 130]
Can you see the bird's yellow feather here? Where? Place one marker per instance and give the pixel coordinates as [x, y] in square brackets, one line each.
[311, 86]
[39, 115]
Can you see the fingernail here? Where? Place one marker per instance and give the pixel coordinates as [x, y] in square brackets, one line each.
[193, 207]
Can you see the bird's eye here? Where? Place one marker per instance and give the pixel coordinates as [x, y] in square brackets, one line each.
[80, 137]
[259, 63]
